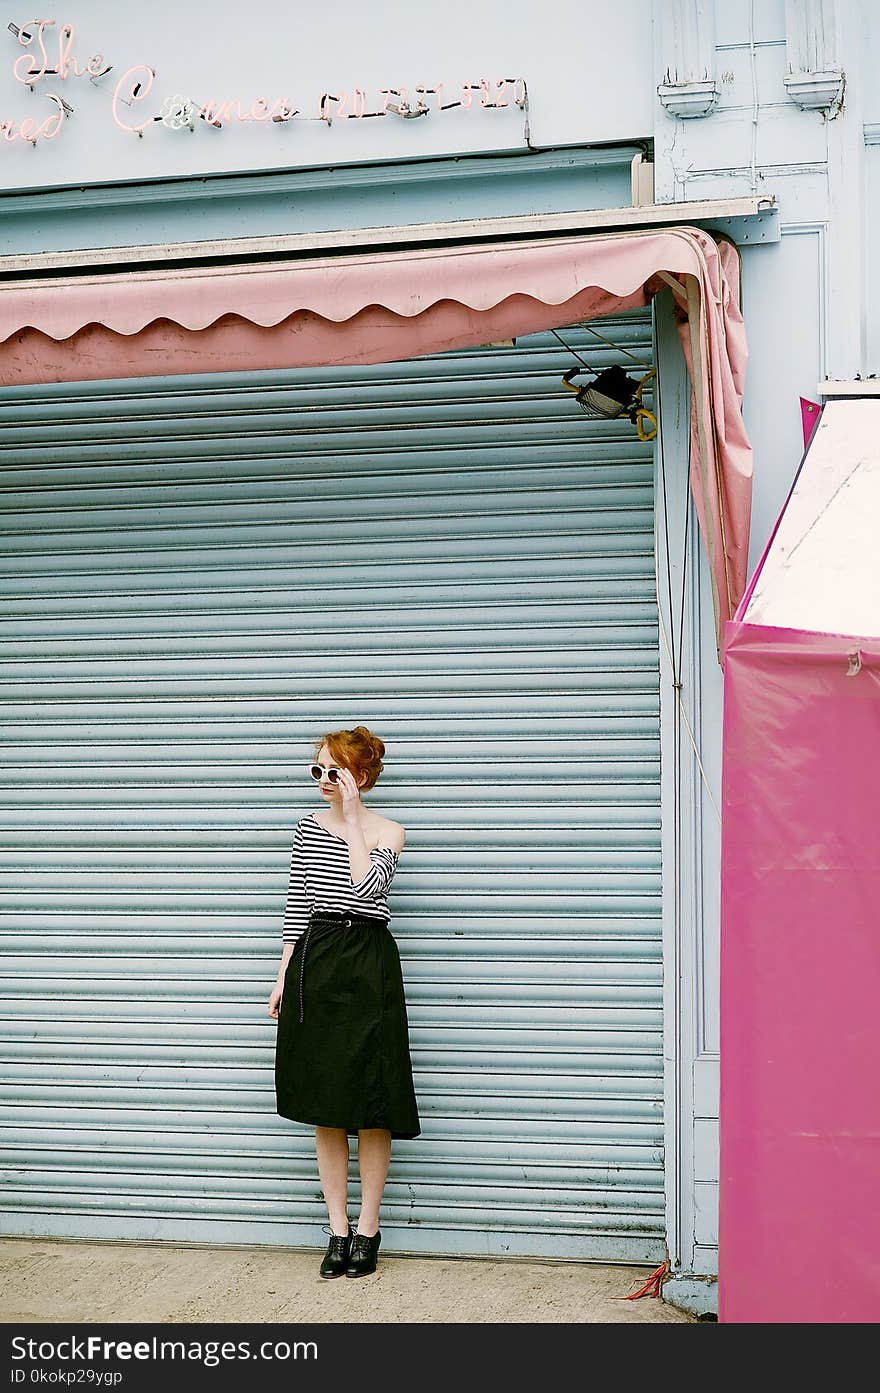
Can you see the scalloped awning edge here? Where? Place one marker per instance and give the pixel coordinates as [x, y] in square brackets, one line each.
[340, 288]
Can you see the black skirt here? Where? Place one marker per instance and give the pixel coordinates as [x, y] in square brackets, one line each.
[342, 1051]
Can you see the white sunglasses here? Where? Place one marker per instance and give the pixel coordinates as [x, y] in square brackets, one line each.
[317, 770]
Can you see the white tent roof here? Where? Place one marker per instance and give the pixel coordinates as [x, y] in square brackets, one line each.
[822, 571]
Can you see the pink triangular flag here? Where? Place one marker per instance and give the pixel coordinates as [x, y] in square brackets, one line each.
[809, 418]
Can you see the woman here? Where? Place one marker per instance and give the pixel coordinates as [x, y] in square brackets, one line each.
[342, 1060]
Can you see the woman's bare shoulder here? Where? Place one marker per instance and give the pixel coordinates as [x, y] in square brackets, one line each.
[391, 833]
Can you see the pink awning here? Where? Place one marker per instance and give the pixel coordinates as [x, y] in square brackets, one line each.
[388, 306]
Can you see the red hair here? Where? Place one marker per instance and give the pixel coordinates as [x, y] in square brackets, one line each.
[358, 750]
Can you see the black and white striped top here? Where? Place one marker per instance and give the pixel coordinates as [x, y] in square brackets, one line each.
[320, 878]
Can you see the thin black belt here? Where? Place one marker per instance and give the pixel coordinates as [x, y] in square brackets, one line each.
[330, 919]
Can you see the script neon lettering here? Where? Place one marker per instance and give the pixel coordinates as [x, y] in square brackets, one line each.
[65, 59]
[29, 130]
[281, 109]
[138, 81]
[136, 88]
[28, 71]
[223, 111]
[48, 130]
[27, 62]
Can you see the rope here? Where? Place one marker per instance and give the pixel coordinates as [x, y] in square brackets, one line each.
[680, 699]
[617, 348]
[643, 412]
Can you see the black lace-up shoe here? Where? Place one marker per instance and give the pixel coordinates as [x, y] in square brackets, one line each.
[364, 1254]
[336, 1257]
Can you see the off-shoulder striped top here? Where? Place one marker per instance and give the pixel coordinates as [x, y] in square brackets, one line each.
[320, 878]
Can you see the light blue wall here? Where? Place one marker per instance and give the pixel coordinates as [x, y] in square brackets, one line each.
[181, 210]
[582, 87]
[758, 140]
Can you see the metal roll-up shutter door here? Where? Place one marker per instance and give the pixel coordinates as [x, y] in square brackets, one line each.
[201, 576]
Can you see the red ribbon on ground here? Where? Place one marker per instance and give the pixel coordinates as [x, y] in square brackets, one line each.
[649, 1288]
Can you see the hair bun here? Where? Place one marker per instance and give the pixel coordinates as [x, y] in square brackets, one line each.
[367, 736]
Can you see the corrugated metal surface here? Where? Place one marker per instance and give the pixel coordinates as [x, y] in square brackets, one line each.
[199, 577]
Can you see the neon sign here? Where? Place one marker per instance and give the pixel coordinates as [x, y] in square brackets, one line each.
[31, 130]
[25, 68]
[180, 112]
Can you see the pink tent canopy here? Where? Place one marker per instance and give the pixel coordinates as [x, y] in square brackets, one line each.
[383, 307]
[799, 1222]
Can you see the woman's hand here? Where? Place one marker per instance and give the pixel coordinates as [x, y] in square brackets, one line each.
[351, 798]
[275, 999]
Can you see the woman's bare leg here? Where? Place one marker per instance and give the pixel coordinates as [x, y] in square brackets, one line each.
[331, 1145]
[374, 1156]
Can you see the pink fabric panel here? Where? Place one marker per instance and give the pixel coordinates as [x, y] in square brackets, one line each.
[724, 507]
[799, 1222]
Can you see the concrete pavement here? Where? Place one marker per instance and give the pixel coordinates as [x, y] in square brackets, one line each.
[50, 1280]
